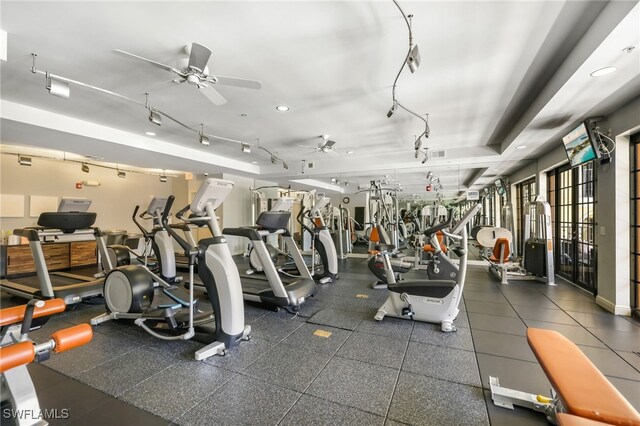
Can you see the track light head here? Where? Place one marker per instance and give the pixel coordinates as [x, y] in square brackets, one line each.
[58, 88]
[274, 160]
[393, 109]
[24, 161]
[246, 148]
[85, 168]
[413, 61]
[163, 178]
[425, 159]
[204, 140]
[122, 174]
[418, 143]
[285, 165]
[417, 153]
[155, 118]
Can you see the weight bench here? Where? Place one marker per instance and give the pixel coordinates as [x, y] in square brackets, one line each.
[17, 351]
[580, 394]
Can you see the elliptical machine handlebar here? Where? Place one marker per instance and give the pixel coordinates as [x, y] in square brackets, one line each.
[189, 251]
[300, 220]
[439, 227]
[180, 214]
[145, 233]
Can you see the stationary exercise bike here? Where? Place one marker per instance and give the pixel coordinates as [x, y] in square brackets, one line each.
[168, 312]
[433, 301]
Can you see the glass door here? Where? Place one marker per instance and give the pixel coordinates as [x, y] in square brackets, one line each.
[572, 199]
[635, 221]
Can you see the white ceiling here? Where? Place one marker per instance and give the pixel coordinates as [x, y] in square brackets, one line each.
[494, 75]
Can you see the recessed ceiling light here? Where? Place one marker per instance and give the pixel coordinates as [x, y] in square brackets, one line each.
[603, 71]
[282, 108]
[521, 147]
[349, 152]
[254, 162]
[149, 133]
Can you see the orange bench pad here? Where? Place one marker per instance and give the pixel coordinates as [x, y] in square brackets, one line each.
[15, 314]
[584, 390]
[72, 337]
[497, 248]
[16, 355]
[565, 419]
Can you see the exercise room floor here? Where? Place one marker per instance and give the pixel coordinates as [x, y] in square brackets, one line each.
[394, 372]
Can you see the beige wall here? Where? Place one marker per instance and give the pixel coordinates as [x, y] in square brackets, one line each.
[113, 201]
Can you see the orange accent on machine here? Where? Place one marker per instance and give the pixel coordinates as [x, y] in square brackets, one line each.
[72, 337]
[16, 355]
[16, 313]
[584, 390]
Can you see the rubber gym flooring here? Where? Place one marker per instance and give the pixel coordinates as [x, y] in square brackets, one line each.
[390, 373]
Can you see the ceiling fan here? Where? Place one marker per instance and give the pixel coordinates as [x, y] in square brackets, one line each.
[326, 145]
[196, 72]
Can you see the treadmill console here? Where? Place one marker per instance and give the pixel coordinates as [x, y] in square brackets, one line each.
[273, 221]
[68, 204]
[283, 204]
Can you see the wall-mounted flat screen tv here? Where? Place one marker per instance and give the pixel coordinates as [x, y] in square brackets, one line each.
[501, 187]
[580, 146]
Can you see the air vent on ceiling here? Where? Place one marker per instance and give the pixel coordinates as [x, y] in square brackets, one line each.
[440, 153]
[310, 165]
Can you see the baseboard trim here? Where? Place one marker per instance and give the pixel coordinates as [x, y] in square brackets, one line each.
[612, 307]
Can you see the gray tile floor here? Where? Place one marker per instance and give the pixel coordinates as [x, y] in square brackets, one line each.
[394, 372]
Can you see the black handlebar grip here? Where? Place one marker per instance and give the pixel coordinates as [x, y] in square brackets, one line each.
[28, 315]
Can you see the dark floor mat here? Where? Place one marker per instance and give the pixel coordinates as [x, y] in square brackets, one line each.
[347, 320]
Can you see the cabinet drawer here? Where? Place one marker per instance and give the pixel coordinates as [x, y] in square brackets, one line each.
[56, 255]
[83, 253]
[19, 260]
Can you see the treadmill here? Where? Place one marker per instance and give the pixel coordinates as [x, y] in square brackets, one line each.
[72, 288]
[274, 291]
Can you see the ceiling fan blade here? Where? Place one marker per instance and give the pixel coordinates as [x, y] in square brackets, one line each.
[330, 143]
[239, 82]
[213, 95]
[149, 61]
[199, 56]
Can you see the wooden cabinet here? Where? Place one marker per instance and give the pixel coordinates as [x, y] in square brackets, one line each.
[56, 256]
[83, 253]
[17, 260]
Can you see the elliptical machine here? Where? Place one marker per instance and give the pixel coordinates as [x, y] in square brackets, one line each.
[159, 237]
[434, 301]
[322, 243]
[162, 309]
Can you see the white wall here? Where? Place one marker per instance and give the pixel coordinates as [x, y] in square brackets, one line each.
[113, 201]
